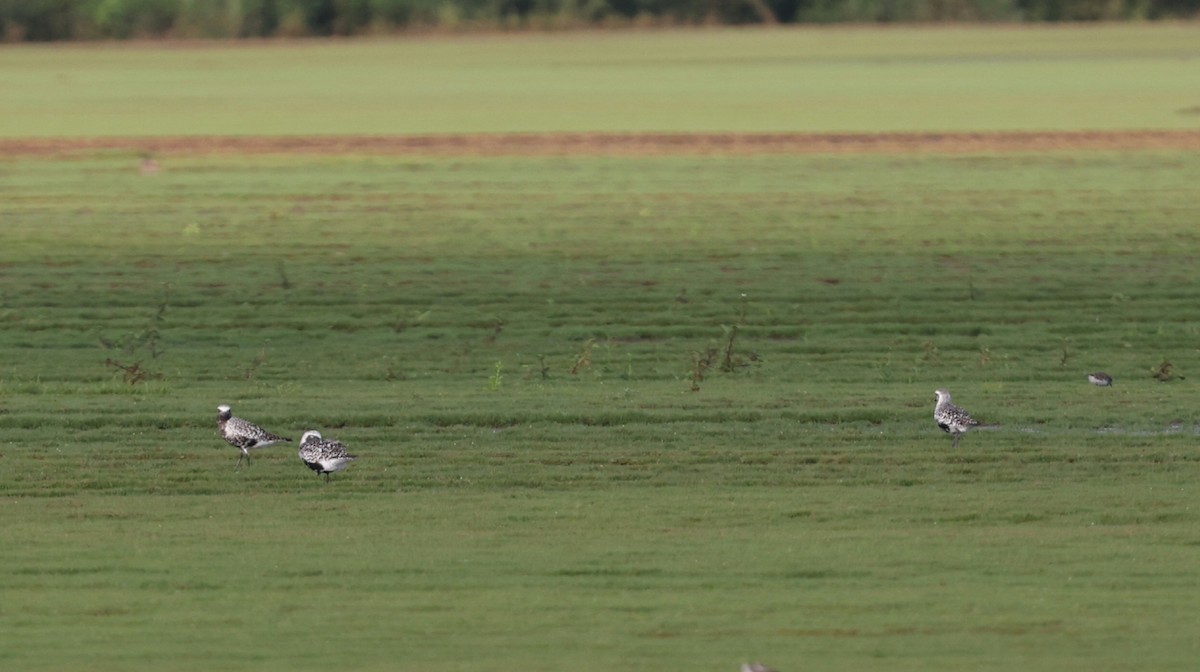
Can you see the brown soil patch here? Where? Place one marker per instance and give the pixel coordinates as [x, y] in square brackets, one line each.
[622, 144]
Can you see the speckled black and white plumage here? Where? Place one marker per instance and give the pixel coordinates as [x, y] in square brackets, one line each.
[950, 418]
[1100, 379]
[243, 435]
[323, 456]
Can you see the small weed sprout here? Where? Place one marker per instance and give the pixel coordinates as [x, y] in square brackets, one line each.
[727, 363]
[497, 377]
[402, 324]
[730, 362]
[132, 373]
[148, 339]
[257, 363]
[284, 282]
[496, 327]
[702, 361]
[152, 337]
[543, 367]
[1066, 352]
[885, 367]
[985, 356]
[584, 360]
[931, 353]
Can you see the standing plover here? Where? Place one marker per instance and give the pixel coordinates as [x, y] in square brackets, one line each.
[1100, 379]
[243, 435]
[952, 419]
[323, 456]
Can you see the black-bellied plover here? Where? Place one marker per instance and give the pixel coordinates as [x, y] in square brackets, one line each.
[243, 435]
[323, 456]
[1100, 379]
[952, 419]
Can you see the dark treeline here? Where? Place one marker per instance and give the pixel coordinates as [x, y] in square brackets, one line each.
[45, 20]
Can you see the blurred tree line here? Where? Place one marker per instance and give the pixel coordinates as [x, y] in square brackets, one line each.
[44, 20]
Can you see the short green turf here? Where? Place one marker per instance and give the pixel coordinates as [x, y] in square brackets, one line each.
[858, 79]
[611, 413]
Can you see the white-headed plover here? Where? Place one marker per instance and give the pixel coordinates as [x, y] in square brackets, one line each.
[323, 456]
[243, 435]
[952, 419]
[1100, 379]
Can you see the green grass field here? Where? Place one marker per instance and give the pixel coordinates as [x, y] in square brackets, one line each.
[801, 508]
[569, 458]
[1133, 76]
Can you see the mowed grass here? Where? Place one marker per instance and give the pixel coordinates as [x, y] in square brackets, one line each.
[860, 79]
[547, 478]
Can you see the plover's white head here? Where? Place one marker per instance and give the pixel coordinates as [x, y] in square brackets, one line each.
[310, 434]
[942, 395]
[224, 408]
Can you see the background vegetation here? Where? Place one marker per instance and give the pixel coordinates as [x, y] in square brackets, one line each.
[41, 20]
[932, 79]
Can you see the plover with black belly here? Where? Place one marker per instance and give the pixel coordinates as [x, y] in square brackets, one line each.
[323, 456]
[1100, 379]
[950, 418]
[243, 435]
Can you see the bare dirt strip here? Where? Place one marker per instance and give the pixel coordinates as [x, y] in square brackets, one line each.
[559, 144]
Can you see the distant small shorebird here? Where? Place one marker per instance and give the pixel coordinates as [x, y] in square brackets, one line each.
[243, 435]
[1100, 379]
[323, 456]
[950, 418]
[149, 166]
